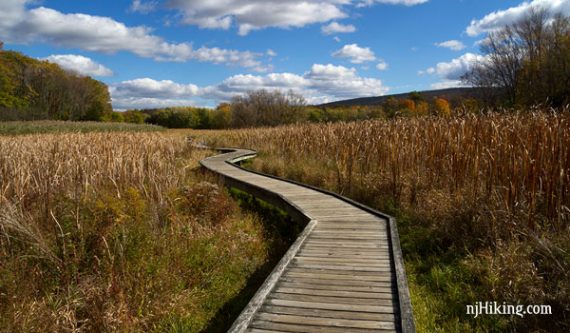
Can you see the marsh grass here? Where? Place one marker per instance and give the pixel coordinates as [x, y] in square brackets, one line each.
[104, 232]
[482, 203]
[53, 126]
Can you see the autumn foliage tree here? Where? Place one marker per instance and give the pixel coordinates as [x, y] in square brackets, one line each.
[33, 89]
[221, 117]
[441, 107]
[528, 61]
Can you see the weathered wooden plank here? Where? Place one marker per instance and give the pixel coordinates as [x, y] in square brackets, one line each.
[355, 246]
[350, 275]
[351, 223]
[347, 242]
[357, 219]
[343, 256]
[342, 261]
[346, 252]
[315, 196]
[334, 322]
[345, 264]
[258, 330]
[333, 306]
[323, 204]
[339, 267]
[335, 235]
[338, 210]
[330, 299]
[313, 329]
[336, 276]
[351, 232]
[387, 288]
[309, 254]
[377, 229]
[349, 227]
[343, 234]
[320, 249]
[345, 247]
[385, 317]
[388, 294]
[340, 283]
[322, 215]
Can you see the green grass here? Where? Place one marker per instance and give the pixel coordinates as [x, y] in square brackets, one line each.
[52, 126]
[442, 281]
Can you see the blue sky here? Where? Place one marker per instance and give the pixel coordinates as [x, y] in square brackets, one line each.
[156, 53]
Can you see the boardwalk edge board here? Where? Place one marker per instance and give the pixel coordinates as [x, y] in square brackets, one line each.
[406, 322]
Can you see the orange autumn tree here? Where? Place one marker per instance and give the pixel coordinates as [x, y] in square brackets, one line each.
[407, 104]
[422, 108]
[442, 107]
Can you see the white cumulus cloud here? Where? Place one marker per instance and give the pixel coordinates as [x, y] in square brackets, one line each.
[126, 103]
[322, 83]
[143, 7]
[392, 2]
[146, 87]
[382, 65]
[500, 18]
[250, 15]
[80, 64]
[450, 72]
[448, 84]
[254, 15]
[340, 82]
[453, 44]
[454, 69]
[337, 28]
[355, 54]
[18, 24]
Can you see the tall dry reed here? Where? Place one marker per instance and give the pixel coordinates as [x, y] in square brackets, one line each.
[483, 202]
[520, 163]
[104, 232]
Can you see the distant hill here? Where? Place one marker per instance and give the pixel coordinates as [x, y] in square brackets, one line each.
[451, 94]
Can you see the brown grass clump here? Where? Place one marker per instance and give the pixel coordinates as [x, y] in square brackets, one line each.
[113, 232]
[485, 193]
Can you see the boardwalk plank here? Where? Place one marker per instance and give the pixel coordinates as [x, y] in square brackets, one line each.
[333, 306]
[386, 283]
[326, 322]
[387, 317]
[315, 286]
[388, 294]
[313, 329]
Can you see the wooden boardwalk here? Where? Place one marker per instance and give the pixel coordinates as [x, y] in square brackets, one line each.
[344, 273]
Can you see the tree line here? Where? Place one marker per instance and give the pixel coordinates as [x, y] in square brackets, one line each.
[32, 89]
[272, 108]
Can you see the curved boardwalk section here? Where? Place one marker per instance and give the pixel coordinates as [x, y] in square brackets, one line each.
[344, 273]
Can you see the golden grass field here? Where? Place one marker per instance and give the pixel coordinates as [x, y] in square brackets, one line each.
[106, 232]
[482, 203]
